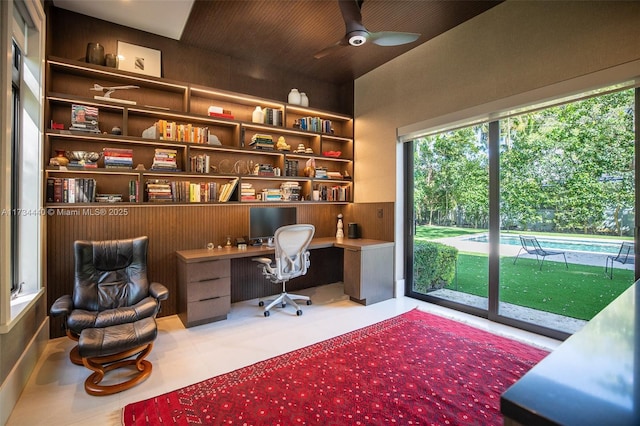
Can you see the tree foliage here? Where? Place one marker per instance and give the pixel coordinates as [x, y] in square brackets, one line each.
[566, 168]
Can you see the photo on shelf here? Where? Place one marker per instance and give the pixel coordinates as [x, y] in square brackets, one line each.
[84, 118]
[139, 59]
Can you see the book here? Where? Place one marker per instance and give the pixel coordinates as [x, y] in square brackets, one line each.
[227, 190]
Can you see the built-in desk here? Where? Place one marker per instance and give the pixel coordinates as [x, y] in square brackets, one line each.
[592, 378]
[206, 277]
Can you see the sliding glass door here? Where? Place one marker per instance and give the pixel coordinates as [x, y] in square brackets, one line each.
[540, 232]
[450, 216]
[566, 207]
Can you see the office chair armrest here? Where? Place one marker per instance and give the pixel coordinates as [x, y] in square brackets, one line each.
[62, 306]
[158, 291]
[264, 260]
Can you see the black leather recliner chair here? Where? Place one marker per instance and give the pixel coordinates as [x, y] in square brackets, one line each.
[110, 288]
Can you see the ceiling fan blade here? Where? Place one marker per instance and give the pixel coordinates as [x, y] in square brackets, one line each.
[351, 14]
[330, 49]
[392, 38]
[356, 33]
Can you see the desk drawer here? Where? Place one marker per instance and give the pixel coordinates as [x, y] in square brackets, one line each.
[203, 290]
[203, 271]
[207, 309]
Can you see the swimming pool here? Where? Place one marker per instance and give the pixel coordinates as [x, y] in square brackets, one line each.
[570, 244]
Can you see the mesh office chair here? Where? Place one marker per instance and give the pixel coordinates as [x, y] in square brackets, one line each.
[291, 260]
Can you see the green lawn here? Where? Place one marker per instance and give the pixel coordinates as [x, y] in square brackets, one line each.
[435, 232]
[578, 292]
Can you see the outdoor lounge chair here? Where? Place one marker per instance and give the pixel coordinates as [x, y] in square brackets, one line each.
[626, 255]
[532, 246]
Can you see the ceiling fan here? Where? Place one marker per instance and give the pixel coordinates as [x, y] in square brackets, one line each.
[357, 35]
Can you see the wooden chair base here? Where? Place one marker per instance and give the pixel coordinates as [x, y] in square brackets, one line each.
[102, 365]
[74, 355]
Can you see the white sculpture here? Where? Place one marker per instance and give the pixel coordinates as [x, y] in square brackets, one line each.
[109, 90]
[340, 232]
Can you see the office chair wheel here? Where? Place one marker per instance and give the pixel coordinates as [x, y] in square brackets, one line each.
[298, 312]
[308, 302]
[266, 313]
[261, 303]
[284, 305]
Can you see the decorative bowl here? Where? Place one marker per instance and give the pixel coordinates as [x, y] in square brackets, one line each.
[87, 156]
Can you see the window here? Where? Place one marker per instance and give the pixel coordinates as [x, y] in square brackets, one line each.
[21, 219]
[15, 165]
[561, 176]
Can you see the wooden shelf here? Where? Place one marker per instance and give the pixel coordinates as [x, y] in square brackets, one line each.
[69, 82]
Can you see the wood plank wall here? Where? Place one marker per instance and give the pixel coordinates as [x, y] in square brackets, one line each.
[180, 227]
[68, 34]
[172, 228]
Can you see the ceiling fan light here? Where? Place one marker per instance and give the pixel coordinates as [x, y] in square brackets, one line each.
[358, 38]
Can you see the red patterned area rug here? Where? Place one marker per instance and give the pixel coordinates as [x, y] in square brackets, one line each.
[416, 368]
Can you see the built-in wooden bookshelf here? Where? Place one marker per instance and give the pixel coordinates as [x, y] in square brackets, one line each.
[230, 154]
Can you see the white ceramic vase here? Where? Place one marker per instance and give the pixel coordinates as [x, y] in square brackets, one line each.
[258, 115]
[304, 100]
[294, 97]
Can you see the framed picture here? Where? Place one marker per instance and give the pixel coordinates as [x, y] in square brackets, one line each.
[139, 59]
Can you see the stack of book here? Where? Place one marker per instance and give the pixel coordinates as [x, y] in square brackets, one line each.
[159, 190]
[290, 167]
[271, 194]
[261, 141]
[290, 191]
[266, 170]
[334, 175]
[200, 163]
[118, 158]
[108, 198]
[226, 190]
[165, 160]
[321, 173]
[216, 111]
[70, 190]
[247, 192]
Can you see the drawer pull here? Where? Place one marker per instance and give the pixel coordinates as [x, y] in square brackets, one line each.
[208, 279]
[210, 298]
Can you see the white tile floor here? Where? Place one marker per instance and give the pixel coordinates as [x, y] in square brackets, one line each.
[55, 394]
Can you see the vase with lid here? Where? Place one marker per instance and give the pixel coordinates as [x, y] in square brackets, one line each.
[294, 97]
[304, 100]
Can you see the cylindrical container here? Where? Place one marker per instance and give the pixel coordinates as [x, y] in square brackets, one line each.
[111, 60]
[316, 195]
[353, 230]
[304, 100]
[294, 97]
[95, 54]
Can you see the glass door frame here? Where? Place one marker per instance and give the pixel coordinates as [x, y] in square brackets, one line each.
[492, 313]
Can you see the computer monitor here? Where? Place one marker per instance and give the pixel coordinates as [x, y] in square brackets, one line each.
[263, 221]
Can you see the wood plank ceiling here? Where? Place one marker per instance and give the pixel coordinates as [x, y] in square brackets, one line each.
[287, 33]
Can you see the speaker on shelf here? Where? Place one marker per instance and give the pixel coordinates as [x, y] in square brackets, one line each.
[353, 231]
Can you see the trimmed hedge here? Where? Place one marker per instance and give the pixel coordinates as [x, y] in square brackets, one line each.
[434, 265]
